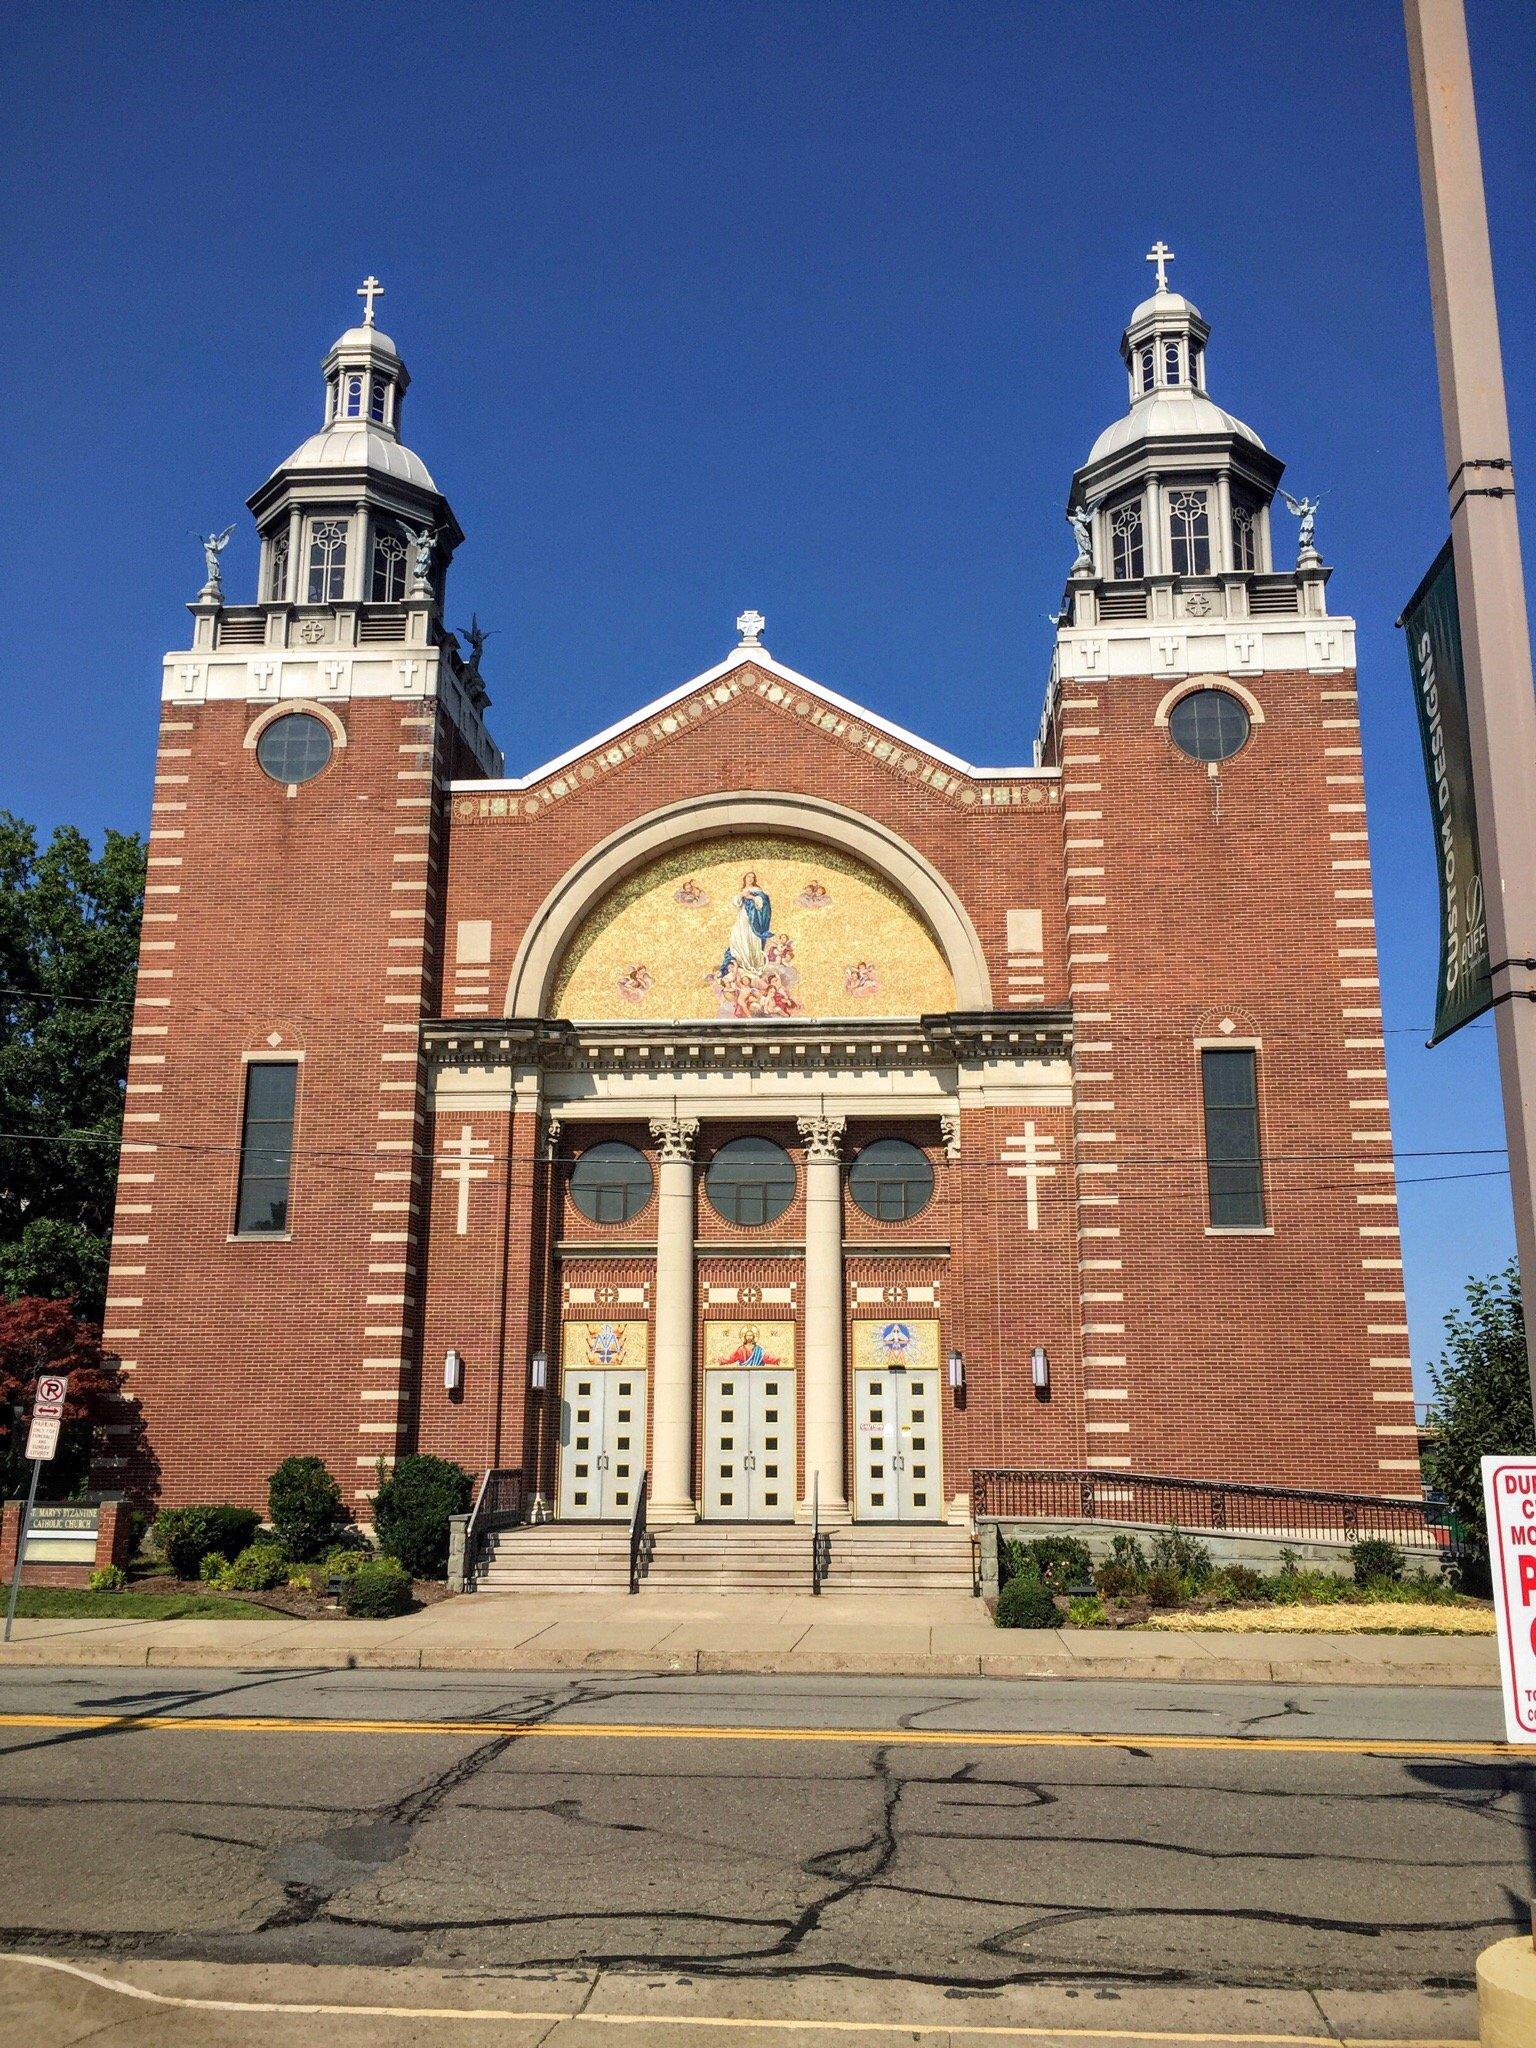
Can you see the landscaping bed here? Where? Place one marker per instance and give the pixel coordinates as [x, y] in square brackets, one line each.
[1173, 1583]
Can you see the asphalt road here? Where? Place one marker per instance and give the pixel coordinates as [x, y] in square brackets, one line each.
[958, 1836]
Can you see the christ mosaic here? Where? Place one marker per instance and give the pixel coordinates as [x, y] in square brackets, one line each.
[754, 927]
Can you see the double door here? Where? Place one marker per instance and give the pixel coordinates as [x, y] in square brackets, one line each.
[602, 1444]
[898, 1469]
[749, 1444]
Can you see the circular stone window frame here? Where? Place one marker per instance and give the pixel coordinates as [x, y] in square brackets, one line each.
[286, 707]
[623, 1222]
[749, 1138]
[1190, 687]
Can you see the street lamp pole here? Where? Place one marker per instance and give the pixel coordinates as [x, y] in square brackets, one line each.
[1490, 588]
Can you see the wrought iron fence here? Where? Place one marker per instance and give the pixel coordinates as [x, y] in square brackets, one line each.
[498, 1504]
[642, 1544]
[1046, 1494]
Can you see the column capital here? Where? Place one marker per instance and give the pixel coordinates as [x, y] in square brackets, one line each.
[822, 1136]
[675, 1136]
[551, 1139]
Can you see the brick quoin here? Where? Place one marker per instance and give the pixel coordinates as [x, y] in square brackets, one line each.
[1130, 905]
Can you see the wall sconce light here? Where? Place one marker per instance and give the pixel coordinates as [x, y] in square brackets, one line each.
[1040, 1369]
[538, 1371]
[957, 1372]
[453, 1370]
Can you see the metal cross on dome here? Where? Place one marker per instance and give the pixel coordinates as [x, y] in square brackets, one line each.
[369, 290]
[1162, 256]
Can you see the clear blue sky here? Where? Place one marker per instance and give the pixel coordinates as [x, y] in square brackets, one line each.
[807, 306]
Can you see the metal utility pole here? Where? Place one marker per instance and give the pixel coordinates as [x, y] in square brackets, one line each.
[1501, 709]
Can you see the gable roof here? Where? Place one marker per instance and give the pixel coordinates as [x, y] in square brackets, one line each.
[658, 710]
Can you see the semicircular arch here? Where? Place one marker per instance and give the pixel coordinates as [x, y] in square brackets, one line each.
[737, 815]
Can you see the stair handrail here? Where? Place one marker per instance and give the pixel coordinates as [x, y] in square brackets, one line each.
[642, 1543]
[821, 1541]
[499, 1499]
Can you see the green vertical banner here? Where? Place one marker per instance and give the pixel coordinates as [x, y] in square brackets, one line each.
[1433, 624]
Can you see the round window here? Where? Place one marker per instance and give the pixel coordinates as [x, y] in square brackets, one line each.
[891, 1180]
[1208, 725]
[750, 1180]
[295, 747]
[611, 1182]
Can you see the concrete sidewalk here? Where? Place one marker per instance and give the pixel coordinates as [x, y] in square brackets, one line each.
[921, 1636]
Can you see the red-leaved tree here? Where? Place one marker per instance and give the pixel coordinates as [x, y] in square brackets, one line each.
[39, 1336]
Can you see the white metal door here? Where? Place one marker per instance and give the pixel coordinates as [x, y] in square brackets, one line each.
[898, 1471]
[749, 1444]
[602, 1444]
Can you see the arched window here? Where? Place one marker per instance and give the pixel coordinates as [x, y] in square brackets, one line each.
[611, 1182]
[378, 398]
[1148, 368]
[1209, 725]
[388, 584]
[1128, 557]
[277, 568]
[1189, 532]
[891, 1180]
[353, 395]
[750, 1180]
[327, 560]
[1171, 363]
[1245, 538]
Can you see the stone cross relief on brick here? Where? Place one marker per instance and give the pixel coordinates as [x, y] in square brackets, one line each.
[463, 1167]
[1032, 1158]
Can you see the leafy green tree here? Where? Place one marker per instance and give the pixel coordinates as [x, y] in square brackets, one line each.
[1482, 1399]
[69, 939]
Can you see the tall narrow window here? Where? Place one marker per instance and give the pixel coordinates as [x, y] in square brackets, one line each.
[1171, 363]
[1196, 364]
[1245, 547]
[1189, 532]
[1126, 542]
[266, 1148]
[354, 396]
[1148, 368]
[388, 586]
[1234, 1173]
[327, 560]
[277, 568]
[378, 393]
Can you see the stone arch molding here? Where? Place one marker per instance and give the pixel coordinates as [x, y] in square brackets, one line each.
[724, 816]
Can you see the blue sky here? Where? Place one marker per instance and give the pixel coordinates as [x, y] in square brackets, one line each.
[812, 307]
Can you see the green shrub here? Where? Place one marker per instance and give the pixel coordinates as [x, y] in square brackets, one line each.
[378, 1587]
[1061, 1561]
[411, 1511]
[184, 1536]
[344, 1561]
[1373, 1557]
[1186, 1557]
[306, 1507]
[1246, 1584]
[1115, 1581]
[1163, 1589]
[257, 1569]
[211, 1570]
[1126, 1551]
[107, 1578]
[1086, 1613]
[1027, 1602]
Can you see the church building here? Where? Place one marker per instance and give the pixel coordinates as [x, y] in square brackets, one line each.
[758, 1098]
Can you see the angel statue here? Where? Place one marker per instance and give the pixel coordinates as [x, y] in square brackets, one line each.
[421, 567]
[1081, 522]
[477, 636]
[1306, 511]
[214, 545]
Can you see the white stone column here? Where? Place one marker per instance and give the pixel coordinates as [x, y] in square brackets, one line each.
[672, 1367]
[825, 1394]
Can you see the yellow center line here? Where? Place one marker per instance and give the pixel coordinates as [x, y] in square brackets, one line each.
[908, 2030]
[905, 1738]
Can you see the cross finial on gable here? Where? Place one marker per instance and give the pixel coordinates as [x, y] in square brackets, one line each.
[750, 626]
[369, 290]
[1162, 256]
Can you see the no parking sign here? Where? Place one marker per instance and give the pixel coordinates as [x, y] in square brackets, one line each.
[1509, 1492]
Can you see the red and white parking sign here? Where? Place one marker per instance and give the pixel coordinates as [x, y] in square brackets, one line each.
[1509, 1492]
[47, 1414]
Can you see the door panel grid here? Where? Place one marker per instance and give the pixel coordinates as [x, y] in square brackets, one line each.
[749, 1444]
[602, 1444]
[898, 1468]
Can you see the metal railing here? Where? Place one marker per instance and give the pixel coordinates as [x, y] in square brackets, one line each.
[821, 1539]
[1046, 1494]
[498, 1503]
[642, 1544]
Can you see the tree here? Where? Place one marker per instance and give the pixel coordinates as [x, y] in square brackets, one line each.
[1482, 1399]
[69, 939]
[46, 1337]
